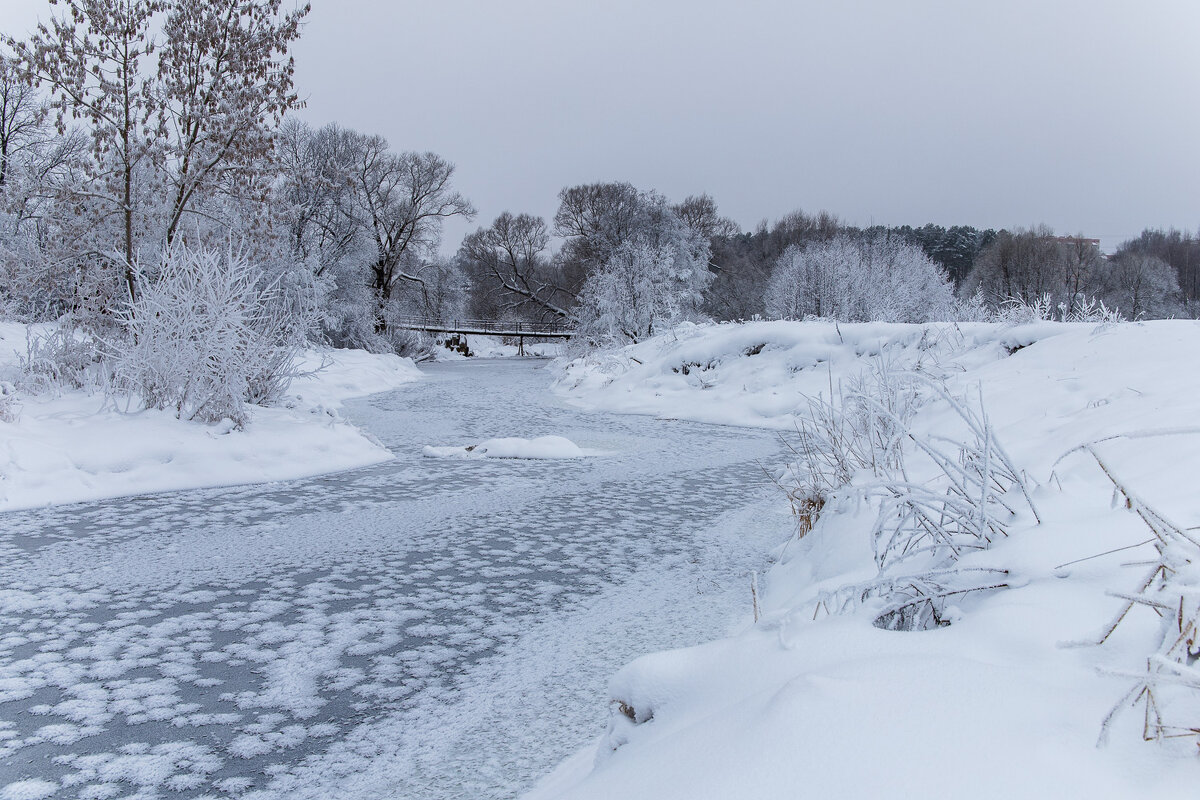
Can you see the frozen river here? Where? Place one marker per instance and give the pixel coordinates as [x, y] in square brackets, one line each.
[420, 629]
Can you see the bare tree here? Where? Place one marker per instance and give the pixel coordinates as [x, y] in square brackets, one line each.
[223, 86]
[1020, 265]
[594, 220]
[401, 200]
[699, 212]
[512, 254]
[21, 115]
[91, 58]
[1140, 285]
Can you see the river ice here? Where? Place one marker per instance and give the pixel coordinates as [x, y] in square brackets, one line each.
[425, 628]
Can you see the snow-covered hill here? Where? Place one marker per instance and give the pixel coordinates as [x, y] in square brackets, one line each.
[816, 698]
[77, 446]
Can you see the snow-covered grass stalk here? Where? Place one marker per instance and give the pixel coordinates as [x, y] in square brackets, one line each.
[1019, 311]
[966, 507]
[1169, 688]
[207, 338]
[969, 493]
[856, 429]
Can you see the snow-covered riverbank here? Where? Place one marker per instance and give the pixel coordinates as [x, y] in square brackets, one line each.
[815, 699]
[76, 446]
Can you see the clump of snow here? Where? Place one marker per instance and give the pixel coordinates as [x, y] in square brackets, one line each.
[31, 789]
[991, 701]
[78, 446]
[542, 447]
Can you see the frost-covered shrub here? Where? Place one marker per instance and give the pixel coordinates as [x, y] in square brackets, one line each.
[1018, 311]
[208, 337]
[852, 279]
[57, 359]
[10, 407]
[1089, 309]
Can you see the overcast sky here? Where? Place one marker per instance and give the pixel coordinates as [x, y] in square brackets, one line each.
[1082, 115]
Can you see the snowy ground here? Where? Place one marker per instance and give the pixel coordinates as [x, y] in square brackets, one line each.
[80, 446]
[495, 347]
[808, 703]
[422, 628]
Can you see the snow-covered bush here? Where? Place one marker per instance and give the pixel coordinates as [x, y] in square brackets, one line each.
[207, 337]
[852, 279]
[57, 359]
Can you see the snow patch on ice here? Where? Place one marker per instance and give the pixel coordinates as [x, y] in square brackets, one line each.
[542, 447]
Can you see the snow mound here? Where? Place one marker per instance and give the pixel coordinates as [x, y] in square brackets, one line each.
[543, 447]
[78, 447]
[815, 695]
[758, 374]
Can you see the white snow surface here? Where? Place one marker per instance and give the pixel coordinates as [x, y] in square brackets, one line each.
[541, 447]
[482, 346]
[993, 706]
[81, 446]
[419, 628]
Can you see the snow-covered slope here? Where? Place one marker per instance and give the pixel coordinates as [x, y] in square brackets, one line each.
[804, 702]
[80, 446]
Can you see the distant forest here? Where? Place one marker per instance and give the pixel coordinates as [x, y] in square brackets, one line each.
[135, 134]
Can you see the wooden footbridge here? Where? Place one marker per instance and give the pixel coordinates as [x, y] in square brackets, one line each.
[485, 327]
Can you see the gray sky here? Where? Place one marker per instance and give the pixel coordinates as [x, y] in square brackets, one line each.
[1082, 115]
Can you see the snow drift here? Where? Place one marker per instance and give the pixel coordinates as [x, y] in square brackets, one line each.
[76, 446]
[1010, 687]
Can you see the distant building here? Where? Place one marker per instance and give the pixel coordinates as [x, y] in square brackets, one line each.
[1075, 240]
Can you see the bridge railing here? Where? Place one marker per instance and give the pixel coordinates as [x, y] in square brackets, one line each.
[496, 327]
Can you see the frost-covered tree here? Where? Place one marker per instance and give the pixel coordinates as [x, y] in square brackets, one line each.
[1140, 286]
[1180, 249]
[21, 114]
[743, 263]
[365, 222]
[594, 220]
[649, 282]
[179, 99]
[315, 194]
[859, 279]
